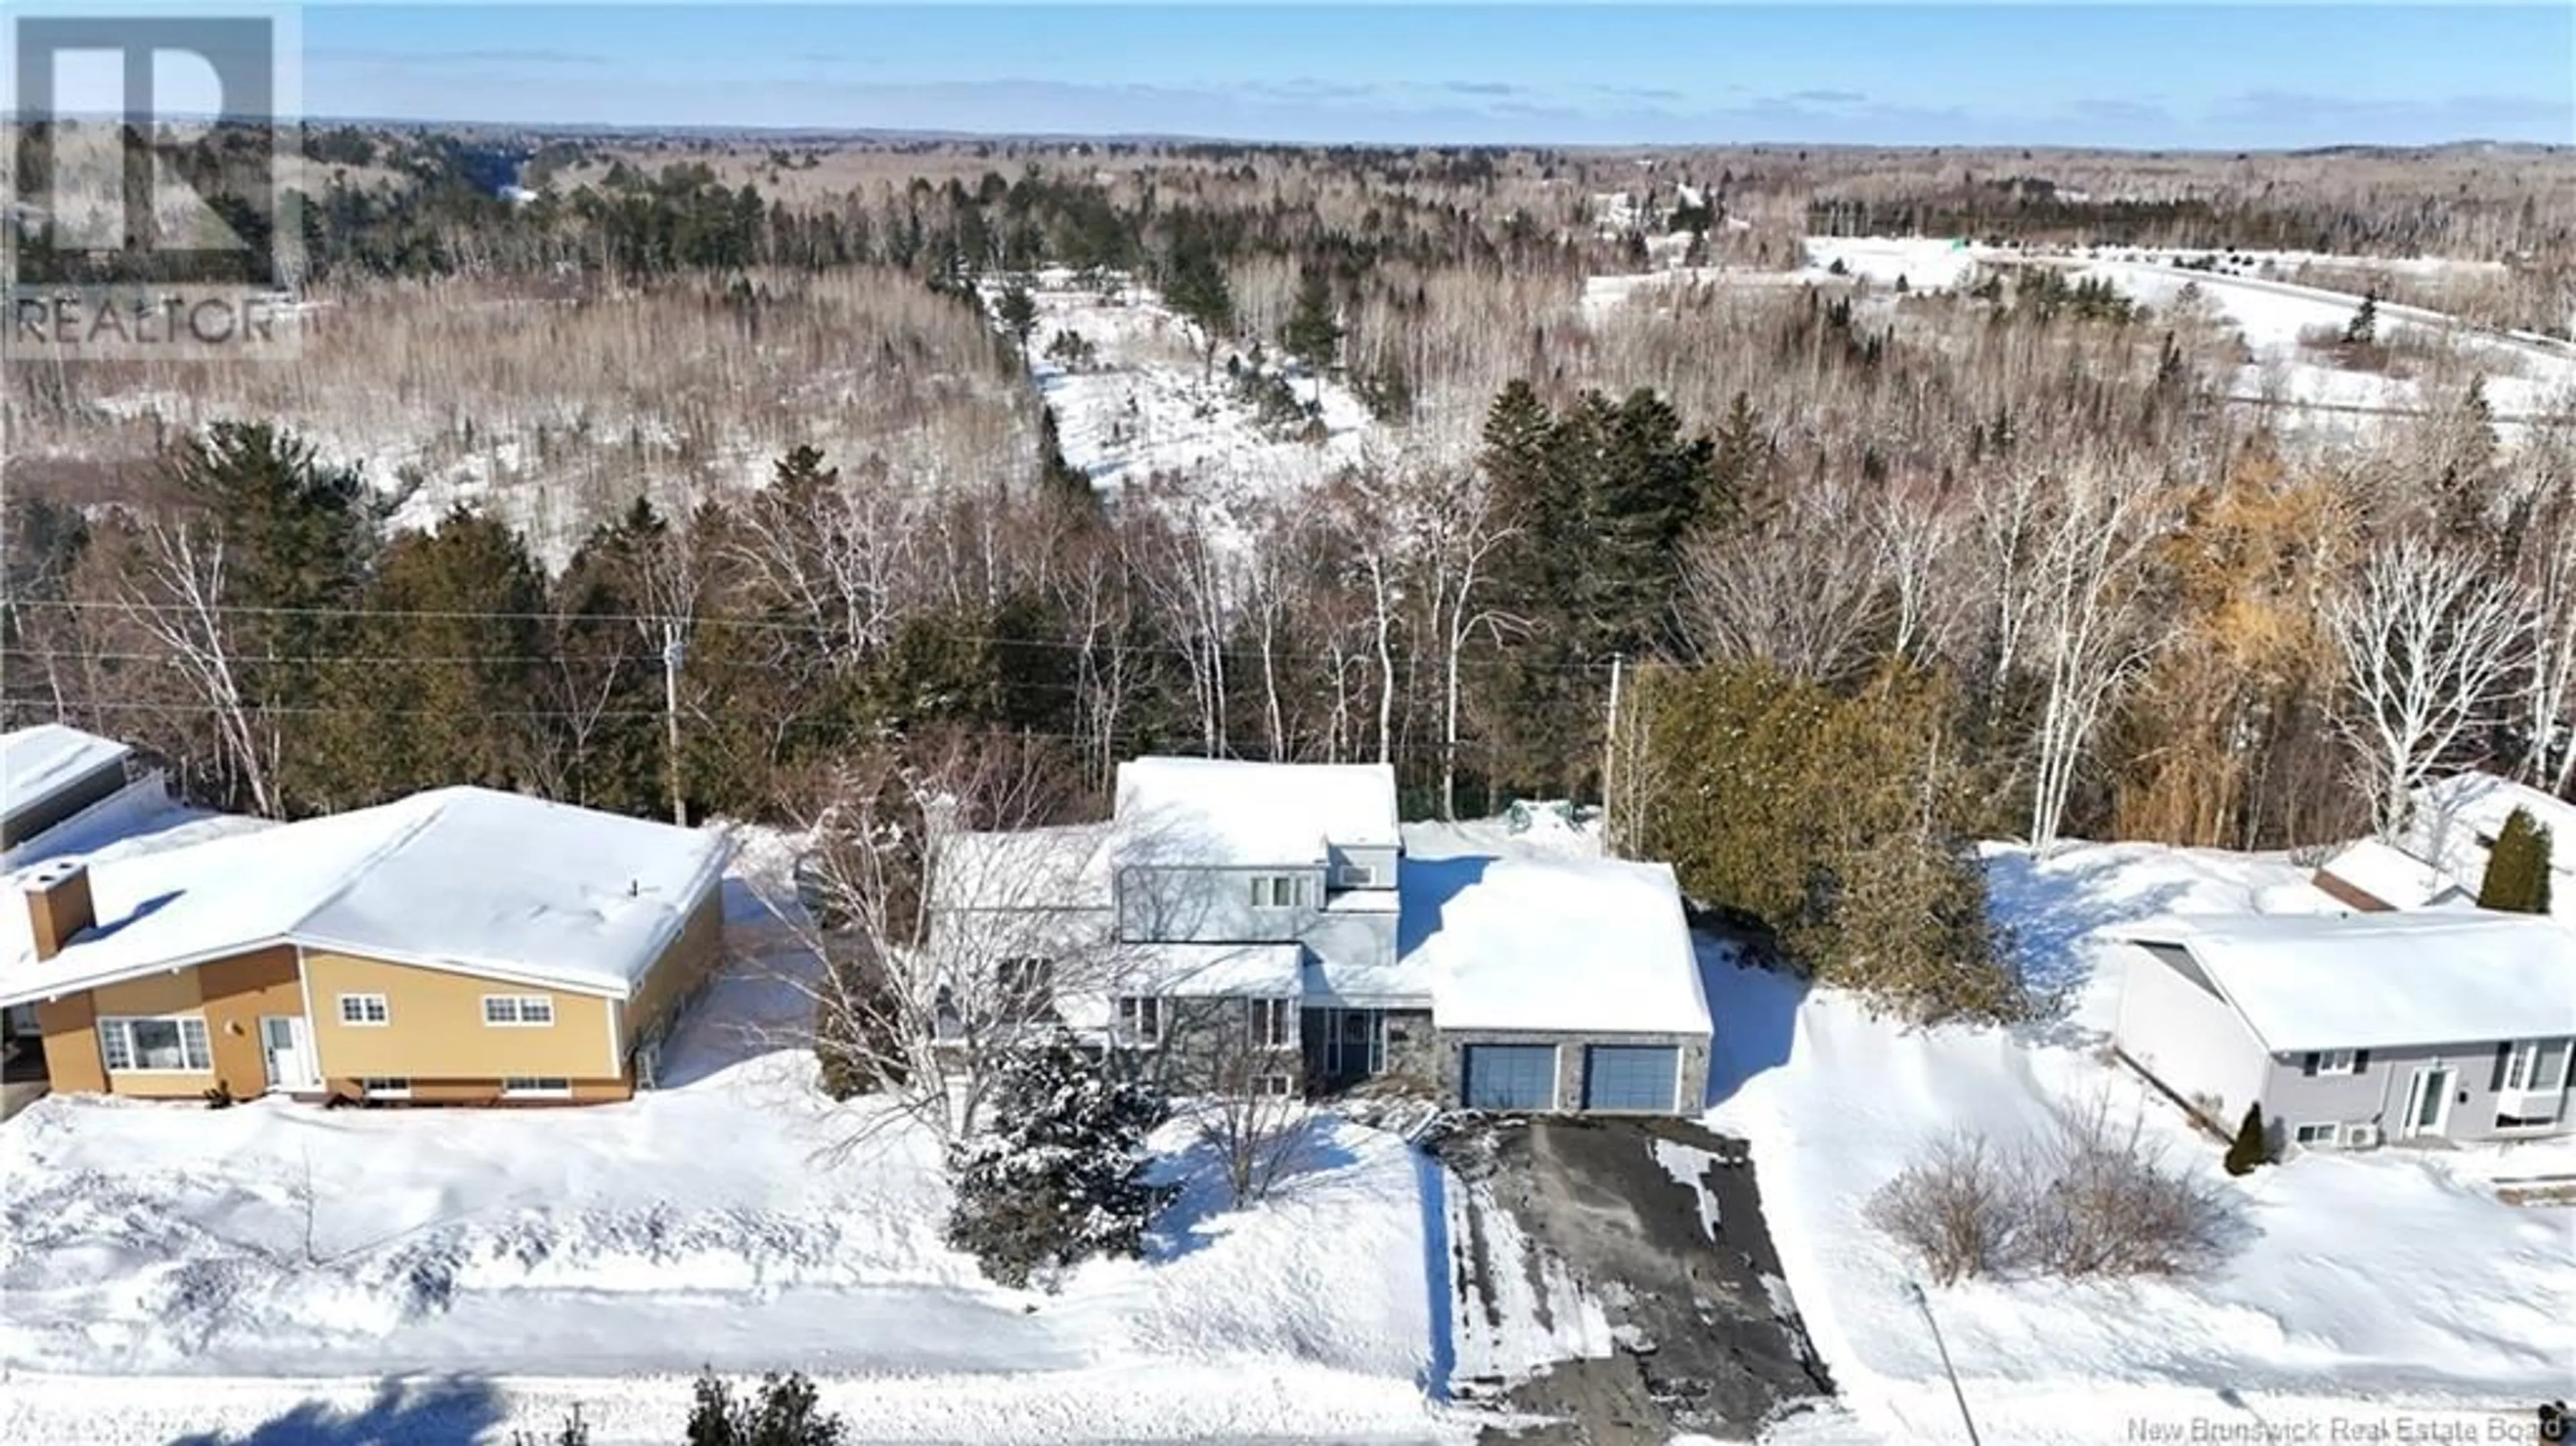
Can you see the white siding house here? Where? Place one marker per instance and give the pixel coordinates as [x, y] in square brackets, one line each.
[2350, 1030]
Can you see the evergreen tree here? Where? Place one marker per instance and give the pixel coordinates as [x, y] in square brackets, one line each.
[2252, 1146]
[1197, 289]
[1839, 821]
[1057, 474]
[1018, 312]
[435, 686]
[786, 1411]
[1059, 1177]
[298, 540]
[2517, 875]
[1738, 468]
[2363, 329]
[1312, 335]
[608, 678]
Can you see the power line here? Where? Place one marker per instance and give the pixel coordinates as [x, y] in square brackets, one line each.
[780, 626]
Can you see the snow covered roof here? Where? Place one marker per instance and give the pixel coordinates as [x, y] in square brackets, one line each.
[2380, 981]
[1062, 866]
[1562, 944]
[1226, 811]
[38, 762]
[466, 879]
[1203, 970]
[2390, 875]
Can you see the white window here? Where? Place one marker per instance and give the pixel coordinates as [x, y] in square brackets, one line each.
[364, 1009]
[518, 1010]
[1279, 891]
[386, 1087]
[1274, 1022]
[1273, 1086]
[1140, 1019]
[155, 1046]
[2314, 1135]
[2536, 1064]
[2335, 1061]
[536, 1087]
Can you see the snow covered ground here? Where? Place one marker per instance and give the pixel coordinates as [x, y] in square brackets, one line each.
[172, 1270]
[1145, 401]
[2525, 376]
[2388, 1291]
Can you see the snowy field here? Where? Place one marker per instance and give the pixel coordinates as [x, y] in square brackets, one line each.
[1146, 402]
[2525, 376]
[2389, 1290]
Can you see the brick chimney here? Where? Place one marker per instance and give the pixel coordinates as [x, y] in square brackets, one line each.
[58, 904]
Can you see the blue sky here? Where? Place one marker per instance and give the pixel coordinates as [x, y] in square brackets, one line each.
[2211, 76]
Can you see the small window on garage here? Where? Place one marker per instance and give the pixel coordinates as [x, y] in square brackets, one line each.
[1631, 1077]
[1510, 1077]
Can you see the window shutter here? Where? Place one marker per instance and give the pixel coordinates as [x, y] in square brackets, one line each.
[2504, 1062]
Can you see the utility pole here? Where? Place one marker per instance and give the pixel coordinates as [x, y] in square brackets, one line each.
[1923, 1304]
[673, 649]
[1610, 760]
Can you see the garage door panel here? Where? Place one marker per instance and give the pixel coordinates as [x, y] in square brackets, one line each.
[1510, 1077]
[1630, 1077]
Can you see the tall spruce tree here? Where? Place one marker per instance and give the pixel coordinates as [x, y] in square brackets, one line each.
[1060, 1176]
[1312, 335]
[299, 539]
[435, 686]
[2517, 875]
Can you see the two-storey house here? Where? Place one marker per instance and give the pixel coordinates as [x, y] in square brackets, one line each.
[1261, 922]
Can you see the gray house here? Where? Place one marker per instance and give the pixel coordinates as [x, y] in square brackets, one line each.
[1266, 915]
[2354, 1030]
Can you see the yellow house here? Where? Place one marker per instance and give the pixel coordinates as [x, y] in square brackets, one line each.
[460, 946]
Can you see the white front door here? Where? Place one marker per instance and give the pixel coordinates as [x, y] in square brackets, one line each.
[289, 1048]
[2428, 1103]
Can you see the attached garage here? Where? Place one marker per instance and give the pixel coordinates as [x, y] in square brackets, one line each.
[1510, 1077]
[1631, 1077]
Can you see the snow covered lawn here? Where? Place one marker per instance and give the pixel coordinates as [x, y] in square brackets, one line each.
[708, 1223]
[2366, 1289]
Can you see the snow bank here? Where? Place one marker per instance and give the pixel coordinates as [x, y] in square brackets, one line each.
[2364, 1289]
[731, 1219]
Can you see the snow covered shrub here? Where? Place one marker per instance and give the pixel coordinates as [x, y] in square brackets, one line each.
[1059, 1176]
[2085, 1199]
[784, 1412]
[1961, 1208]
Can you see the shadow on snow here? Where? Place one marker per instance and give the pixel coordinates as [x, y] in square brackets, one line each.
[443, 1411]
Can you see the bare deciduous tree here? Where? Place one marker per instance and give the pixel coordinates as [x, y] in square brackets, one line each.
[2088, 599]
[1796, 589]
[2427, 636]
[952, 907]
